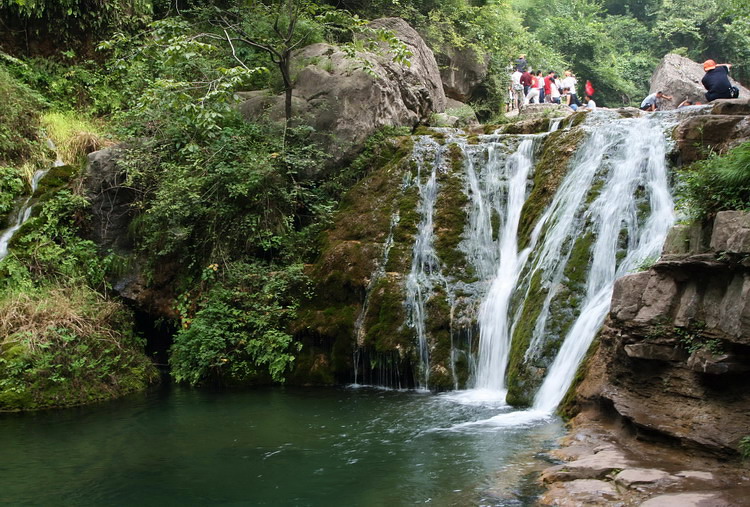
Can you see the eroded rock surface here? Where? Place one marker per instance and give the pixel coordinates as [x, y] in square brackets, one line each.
[676, 347]
[725, 125]
[345, 104]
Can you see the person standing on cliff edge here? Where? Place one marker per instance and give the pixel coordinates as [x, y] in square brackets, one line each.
[716, 81]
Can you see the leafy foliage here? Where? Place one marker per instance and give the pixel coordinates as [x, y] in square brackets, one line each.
[19, 120]
[232, 324]
[716, 184]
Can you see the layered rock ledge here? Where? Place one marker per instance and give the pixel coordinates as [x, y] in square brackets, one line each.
[668, 380]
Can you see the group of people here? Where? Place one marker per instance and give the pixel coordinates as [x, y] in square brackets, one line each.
[532, 87]
[715, 81]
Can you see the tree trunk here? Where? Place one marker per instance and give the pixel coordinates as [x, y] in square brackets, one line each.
[284, 65]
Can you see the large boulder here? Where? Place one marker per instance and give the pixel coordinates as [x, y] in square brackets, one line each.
[111, 199]
[462, 70]
[345, 103]
[680, 78]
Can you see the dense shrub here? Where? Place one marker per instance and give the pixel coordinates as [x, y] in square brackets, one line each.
[19, 120]
[233, 324]
[717, 184]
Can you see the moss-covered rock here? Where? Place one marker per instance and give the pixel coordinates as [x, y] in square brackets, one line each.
[64, 347]
[450, 218]
[356, 296]
[549, 172]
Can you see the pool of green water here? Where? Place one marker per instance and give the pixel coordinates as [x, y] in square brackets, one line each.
[272, 446]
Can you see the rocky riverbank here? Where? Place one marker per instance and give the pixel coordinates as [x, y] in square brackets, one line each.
[664, 406]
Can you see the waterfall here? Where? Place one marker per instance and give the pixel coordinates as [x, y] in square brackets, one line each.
[637, 161]
[616, 197]
[425, 267]
[494, 338]
[23, 212]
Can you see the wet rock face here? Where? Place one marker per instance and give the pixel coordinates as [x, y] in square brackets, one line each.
[345, 104]
[111, 213]
[111, 201]
[680, 78]
[675, 350]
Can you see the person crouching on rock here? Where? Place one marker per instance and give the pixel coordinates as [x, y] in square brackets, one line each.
[716, 80]
[652, 102]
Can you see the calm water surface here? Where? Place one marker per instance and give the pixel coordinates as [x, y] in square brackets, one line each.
[274, 446]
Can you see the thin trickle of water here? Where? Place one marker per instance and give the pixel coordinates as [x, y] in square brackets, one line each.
[494, 338]
[23, 212]
[425, 271]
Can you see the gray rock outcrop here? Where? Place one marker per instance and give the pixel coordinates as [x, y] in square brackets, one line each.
[680, 78]
[722, 126]
[110, 199]
[462, 71]
[345, 104]
[675, 350]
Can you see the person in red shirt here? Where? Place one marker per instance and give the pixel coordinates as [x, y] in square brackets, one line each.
[526, 81]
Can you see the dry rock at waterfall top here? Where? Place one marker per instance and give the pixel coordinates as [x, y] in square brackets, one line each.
[680, 78]
[727, 125]
[345, 104]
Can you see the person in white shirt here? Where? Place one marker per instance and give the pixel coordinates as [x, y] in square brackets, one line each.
[570, 81]
[555, 90]
[590, 104]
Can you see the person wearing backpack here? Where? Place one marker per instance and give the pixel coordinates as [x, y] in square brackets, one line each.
[716, 81]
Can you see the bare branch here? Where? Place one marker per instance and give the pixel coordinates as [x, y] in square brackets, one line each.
[234, 53]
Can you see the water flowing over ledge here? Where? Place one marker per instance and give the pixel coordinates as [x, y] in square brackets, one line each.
[541, 298]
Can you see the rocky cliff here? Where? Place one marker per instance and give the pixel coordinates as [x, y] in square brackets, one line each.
[675, 351]
[665, 389]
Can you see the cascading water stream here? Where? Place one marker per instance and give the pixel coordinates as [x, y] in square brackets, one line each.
[494, 339]
[616, 193]
[639, 162]
[425, 266]
[23, 213]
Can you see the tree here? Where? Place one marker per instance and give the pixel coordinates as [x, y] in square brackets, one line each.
[286, 35]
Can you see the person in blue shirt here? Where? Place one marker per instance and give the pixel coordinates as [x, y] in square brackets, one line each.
[716, 80]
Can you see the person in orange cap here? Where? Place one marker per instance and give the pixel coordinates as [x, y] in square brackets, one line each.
[716, 80]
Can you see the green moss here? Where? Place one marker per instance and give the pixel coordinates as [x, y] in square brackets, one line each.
[577, 118]
[450, 218]
[385, 327]
[438, 328]
[64, 347]
[519, 377]
[55, 179]
[352, 248]
[524, 378]
[549, 172]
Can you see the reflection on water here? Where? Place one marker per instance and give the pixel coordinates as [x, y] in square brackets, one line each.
[275, 446]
